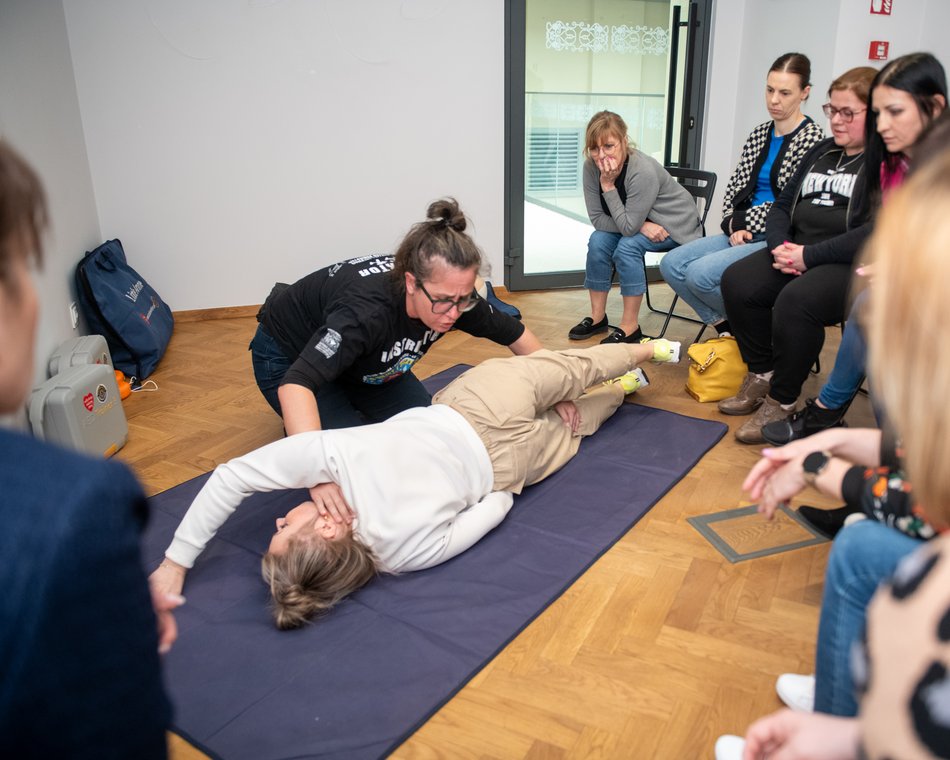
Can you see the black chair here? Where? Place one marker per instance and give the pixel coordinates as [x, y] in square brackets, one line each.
[701, 185]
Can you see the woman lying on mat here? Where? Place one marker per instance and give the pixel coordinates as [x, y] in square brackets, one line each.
[422, 486]
[337, 348]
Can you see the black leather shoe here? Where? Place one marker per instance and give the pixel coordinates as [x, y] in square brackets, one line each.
[826, 521]
[807, 421]
[619, 336]
[586, 328]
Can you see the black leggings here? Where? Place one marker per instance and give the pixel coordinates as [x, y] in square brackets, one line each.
[779, 319]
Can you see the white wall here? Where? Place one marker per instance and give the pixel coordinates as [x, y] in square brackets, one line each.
[748, 35]
[39, 116]
[235, 143]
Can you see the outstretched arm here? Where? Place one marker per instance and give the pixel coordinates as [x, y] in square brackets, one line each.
[299, 461]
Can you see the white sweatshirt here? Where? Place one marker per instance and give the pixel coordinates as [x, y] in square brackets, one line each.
[419, 483]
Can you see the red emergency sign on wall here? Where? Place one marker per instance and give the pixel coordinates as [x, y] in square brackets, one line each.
[881, 7]
[878, 51]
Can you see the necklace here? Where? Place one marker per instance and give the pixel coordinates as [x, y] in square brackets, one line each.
[839, 167]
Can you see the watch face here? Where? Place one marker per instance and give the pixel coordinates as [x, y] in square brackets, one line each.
[815, 462]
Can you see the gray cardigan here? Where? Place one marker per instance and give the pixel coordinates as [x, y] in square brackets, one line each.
[652, 195]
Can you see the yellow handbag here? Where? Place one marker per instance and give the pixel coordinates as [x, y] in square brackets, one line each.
[716, 369]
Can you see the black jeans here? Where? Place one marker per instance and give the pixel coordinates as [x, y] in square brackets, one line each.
[779, 320]
[340, 403]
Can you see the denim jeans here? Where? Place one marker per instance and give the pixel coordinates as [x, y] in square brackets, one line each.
[848, 373]
[609, 250]
[694, 270]
[862, 556]
[340, 403]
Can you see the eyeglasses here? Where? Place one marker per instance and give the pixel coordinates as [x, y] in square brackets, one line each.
[846, 114]
[445, 305]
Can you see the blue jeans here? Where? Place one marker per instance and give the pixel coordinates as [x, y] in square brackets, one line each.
[607, 251]
[695, 269]
[848, 373]
[340, 403]
[862, 556]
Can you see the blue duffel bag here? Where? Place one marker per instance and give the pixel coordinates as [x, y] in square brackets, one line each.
[120, 305]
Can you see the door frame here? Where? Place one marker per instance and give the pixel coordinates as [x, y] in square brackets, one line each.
[697, 27]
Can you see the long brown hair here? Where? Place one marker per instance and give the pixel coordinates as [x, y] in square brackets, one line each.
[441, 238]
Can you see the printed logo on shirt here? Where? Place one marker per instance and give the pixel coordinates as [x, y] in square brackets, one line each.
[375, 264]
[334, 269]
[329, 344]
[399, 369]
[408, 345]
[823, 186]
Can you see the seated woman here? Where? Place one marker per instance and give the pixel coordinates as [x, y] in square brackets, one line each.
[779, 300]
[770, 156]
[861, 467]
[80, 634]
[912, 92]
[635, 207]
[900, 667]
[419, 488]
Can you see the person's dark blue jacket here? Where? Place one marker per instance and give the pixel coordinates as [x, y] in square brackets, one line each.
[78, 641]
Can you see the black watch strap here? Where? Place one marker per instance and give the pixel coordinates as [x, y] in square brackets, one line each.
[814, 464]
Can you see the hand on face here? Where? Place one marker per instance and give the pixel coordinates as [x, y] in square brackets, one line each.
[305, 520]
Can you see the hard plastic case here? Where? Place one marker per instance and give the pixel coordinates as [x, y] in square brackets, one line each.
[80, 408]
[86, 349]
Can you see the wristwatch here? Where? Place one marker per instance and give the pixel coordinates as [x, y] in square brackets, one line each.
[814, 464]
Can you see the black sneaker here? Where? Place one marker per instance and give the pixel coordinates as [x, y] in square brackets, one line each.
[807, 421]
[586, 328]
[619, 336]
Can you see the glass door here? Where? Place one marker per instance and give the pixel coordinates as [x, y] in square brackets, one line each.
[566, 61]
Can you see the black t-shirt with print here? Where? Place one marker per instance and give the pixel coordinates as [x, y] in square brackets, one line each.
[825, 197]
[349, 322]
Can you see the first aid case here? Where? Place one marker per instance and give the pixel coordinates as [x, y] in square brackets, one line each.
[86, 349]
[80, 408]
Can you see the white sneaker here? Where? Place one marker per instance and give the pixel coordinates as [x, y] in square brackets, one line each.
[631, 382]
[797, 691]
[665, 350]
[729, 747]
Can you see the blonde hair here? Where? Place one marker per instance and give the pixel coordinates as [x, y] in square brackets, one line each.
[606, 123]
[314, 574]
[909, 355]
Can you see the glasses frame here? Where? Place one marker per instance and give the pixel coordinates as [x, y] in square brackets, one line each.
[830, 112]
[448, 303]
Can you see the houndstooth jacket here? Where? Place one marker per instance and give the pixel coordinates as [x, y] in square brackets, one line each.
[737, 213]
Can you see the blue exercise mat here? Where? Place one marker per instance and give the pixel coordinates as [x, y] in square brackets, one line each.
[358, 682]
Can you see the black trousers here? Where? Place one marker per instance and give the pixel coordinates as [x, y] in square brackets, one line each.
[779, 320]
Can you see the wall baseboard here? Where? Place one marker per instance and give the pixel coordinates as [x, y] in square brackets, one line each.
[233, 312]
[224, 312]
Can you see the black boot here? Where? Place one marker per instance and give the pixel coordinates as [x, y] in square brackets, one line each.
[826, 521]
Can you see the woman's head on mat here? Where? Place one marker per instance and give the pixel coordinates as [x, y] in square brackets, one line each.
[436, 264]
[23, 218]
[313, 563]
[846, 108]
[787, 86]
[909, 358]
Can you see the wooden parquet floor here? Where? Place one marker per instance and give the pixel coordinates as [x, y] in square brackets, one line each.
[659, 648]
